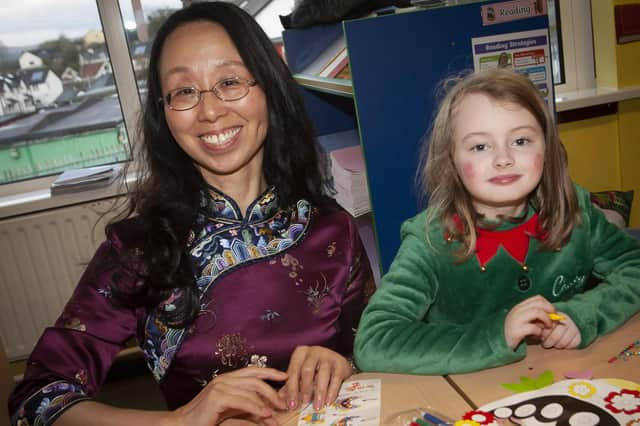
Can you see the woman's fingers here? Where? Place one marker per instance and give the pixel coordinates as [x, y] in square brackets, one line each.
[252, 378]
[323, 376]
[315, 371]
[260, 373]
[293, 372]
[233, 397]
[334, 386]
[307, 377]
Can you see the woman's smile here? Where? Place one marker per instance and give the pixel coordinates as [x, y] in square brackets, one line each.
[219, 140]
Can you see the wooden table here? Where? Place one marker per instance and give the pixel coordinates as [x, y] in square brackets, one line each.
[484, 386]
[400, 392]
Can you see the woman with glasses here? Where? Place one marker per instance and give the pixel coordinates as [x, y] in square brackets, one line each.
[232, 270]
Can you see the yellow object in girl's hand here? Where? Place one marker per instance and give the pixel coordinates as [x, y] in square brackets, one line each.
[555, 317]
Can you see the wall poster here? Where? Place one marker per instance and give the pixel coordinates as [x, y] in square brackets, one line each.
[526, 52]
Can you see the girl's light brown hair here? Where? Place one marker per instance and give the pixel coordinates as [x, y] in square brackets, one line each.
[554, 197]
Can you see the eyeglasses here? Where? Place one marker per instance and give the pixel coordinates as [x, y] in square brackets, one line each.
[229, 89]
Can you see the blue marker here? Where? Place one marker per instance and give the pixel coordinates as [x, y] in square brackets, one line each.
[434, 420]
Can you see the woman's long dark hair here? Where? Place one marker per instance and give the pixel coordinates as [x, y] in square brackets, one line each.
[166, 197]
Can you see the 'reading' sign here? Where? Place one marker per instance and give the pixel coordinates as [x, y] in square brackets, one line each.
[497, 13]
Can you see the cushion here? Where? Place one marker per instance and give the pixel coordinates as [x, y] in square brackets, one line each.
[616, 205]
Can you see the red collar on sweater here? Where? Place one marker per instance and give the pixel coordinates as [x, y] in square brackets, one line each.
[515, 240]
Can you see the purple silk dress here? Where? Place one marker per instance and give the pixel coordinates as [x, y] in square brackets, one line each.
[269, 282]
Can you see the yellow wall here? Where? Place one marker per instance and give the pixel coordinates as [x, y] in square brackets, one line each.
[629, 134]
[617, 65]
[594, 154]
[604, 152]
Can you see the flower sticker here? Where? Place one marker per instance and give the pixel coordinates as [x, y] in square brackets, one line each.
[582, 389]
[626, 401]
[479, 416]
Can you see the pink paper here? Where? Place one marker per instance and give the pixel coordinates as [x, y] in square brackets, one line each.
[350, 158]
[587, 374]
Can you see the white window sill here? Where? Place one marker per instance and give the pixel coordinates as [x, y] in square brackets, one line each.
[567, 101]
[41, 199]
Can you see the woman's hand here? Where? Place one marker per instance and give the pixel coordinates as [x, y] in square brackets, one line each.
[564, 334]
[528, 318]
[240, 392]
[317, 371]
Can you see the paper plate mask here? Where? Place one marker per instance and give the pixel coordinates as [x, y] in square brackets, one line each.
[601, 402]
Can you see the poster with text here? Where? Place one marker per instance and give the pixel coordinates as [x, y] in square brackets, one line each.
[526, 52]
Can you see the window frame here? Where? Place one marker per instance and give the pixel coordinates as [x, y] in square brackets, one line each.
[27, 191]
[577, 46]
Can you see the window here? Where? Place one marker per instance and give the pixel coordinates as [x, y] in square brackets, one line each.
[142, 18]
[59, 107]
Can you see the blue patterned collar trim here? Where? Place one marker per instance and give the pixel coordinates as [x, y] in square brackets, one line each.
[217, 205]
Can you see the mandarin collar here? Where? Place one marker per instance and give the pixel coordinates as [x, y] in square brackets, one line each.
[216, 204]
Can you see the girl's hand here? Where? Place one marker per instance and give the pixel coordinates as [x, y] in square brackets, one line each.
[317, 371]
[563, 335]
[241, 392]
[528, 318]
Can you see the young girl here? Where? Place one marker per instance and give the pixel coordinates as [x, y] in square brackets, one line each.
[504, 252]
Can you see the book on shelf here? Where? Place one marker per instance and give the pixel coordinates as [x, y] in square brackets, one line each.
[344, 73]
[331, 142]
[328, 59]
[74, 180]
[350, 180]
[335, 65]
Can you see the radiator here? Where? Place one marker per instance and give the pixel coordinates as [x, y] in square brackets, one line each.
[42, 258]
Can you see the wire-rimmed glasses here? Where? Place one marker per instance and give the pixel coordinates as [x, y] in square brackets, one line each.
[228, 89]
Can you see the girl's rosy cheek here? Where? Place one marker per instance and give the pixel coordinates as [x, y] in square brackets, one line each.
[538, 162]
[468, 171]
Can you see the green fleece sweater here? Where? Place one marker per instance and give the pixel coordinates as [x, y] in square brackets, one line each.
[434, 316]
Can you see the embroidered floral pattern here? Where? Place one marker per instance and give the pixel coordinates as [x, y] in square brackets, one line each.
[232, 350]
[259, 361]
[105, 292]
[316, 293]
[75, 324]
[331, 249]
[626, 401]
[269, 315]
[294, 265]
[582, 389]
[222, 241]
[81, 377]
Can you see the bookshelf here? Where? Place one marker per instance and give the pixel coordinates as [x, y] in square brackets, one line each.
[396, 62]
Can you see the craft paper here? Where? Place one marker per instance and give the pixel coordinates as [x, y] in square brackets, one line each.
[358, 403]
[569, 402]
[528, 384]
